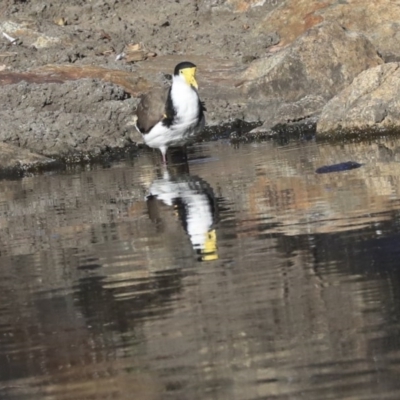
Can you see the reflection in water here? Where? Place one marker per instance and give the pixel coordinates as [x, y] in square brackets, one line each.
[195, 203]
[102, 295]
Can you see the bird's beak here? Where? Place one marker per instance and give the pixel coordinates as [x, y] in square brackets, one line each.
[190, 77]
[194, 83]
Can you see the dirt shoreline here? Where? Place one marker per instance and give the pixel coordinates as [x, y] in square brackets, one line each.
[70, 80]
[86, 115]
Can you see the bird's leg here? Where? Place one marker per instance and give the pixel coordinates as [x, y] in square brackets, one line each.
[163, 150]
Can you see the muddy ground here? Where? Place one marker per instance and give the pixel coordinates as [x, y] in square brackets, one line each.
[100, 29]
[73, 119]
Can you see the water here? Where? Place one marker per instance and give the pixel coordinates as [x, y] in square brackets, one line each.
[245, 275]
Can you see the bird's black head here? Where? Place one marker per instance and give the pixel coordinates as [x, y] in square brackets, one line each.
[183, 65]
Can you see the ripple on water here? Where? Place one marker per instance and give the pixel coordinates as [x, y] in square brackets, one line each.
[242, 275]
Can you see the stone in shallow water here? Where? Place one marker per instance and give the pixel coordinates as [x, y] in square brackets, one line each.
[344, 166]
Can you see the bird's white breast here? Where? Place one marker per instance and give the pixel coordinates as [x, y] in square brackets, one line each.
[186, 102]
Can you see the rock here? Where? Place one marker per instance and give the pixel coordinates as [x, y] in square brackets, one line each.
[248, 59]
[30, 34]
[72, 120]
[136, 52]
[237, 6]
[291, 19]
[44, 41]
[370, 103]
[14, 159]
[271, 39]
[378, 20]
[296, 82]
[132, 83]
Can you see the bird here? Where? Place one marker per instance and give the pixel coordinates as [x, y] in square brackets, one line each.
[172, 117]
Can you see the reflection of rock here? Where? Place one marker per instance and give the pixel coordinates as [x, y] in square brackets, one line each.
[291, 198]
[297, 82]
[370, 102]
[122, 305]
[194, 200]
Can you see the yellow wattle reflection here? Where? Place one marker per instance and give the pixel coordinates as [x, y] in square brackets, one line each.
[210, 247]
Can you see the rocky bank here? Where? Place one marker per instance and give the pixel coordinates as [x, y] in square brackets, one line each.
[71, 72]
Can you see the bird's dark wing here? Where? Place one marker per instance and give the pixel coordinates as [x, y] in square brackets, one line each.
[151, 109]
[203, 106]
[169, 112]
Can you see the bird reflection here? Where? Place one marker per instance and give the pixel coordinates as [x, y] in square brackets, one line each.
[194, 203]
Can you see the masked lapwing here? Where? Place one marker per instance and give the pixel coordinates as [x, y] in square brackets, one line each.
[172, 117]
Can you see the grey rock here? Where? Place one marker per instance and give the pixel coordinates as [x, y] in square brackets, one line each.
[297, 82]
[57, 120]
[270, 39]
[14, 159]
[370, 104]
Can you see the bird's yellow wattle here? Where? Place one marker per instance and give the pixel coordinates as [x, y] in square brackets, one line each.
[209, 253]
[190, 76]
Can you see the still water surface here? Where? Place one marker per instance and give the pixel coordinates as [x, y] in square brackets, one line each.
[244, 275]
